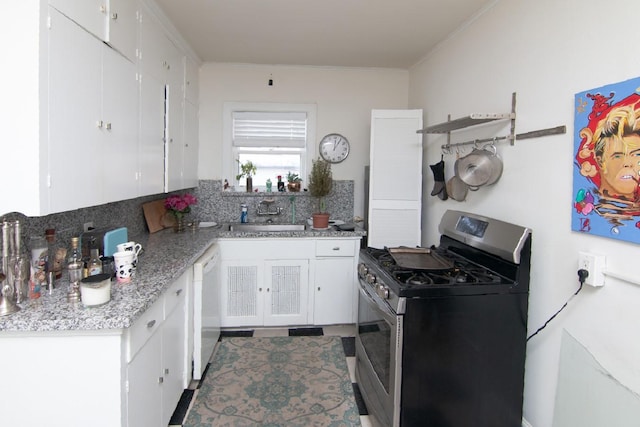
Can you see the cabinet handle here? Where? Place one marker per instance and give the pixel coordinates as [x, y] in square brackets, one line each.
[337, 248]
[99, 124]
[267, 289]
[160, 380]
[259, 289]
[178, 292]
[318, 287]
[114, 16]
[151, 323]
[103, 8]
[108, 126]
[166, 371]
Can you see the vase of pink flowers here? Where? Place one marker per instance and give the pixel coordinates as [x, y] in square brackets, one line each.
[180, 205]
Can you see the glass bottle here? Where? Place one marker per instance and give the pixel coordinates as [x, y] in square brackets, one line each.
[268, 185]
[95, 265]
[75, 266]
[280, 183]
[56, 255]
[38, 246]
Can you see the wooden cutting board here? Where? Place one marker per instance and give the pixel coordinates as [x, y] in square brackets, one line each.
[157, 216]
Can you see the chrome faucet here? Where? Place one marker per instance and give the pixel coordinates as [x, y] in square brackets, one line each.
[265, 208]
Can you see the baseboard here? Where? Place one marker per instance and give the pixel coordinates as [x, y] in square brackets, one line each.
[526, 423]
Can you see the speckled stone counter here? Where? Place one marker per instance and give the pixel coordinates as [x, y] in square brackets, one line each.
[165, 257]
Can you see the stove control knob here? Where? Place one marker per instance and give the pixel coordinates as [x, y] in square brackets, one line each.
[382, 291]
[370, 278]
[362, 270]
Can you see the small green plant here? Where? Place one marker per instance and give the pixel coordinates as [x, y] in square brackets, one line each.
[320, 182]
[293, 177]
[247, 169]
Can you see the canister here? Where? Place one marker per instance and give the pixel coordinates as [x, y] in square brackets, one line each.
[95, 290]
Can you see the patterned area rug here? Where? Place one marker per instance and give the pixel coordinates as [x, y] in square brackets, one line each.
[276, 382]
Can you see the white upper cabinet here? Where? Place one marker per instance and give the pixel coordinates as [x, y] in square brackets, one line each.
[93, 120]
[113, 21]
[191, 80]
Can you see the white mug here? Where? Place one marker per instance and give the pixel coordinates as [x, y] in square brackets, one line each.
[124, 264]
[130, 247]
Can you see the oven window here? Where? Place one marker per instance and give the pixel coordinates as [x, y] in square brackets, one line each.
[375, 336]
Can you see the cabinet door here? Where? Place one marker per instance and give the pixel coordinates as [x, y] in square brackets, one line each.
[75, 93]
[190, 160]
[153, 47]
[144, 380]
[287, 290]
[89, 14]
[122, 27]
[242, 293]
[191, 81]
[394, 216]
[333, 291]
[175, 116]
[119, 153]
[173, 355]
[151, 136]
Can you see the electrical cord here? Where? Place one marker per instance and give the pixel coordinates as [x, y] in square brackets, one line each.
[582, 276]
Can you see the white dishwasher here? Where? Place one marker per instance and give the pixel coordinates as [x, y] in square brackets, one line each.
[206, 308]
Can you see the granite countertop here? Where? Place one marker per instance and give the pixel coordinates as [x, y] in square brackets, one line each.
[165, 257]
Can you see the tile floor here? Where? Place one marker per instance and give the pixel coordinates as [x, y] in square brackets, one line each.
[347, 332]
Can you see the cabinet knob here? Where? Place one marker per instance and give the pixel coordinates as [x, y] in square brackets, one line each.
[160, 380]
[318, 287]
[108, 126]
[103, 8]
[99, 124]
[259, 289]
[166, 371]
[114, 16]
[178, 292]
[151, 323]
[267, 289]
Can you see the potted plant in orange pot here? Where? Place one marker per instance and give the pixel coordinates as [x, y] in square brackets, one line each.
[320, 184]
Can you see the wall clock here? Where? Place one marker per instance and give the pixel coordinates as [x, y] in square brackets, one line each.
[334, 148]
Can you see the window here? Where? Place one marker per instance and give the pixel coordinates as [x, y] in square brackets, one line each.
[272, 136]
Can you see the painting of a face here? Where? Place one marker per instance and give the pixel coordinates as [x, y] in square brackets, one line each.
[619, 166]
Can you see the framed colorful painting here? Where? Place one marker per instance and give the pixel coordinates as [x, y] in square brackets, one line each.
[607, 161]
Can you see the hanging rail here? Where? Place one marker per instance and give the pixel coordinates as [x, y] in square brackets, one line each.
[533, 134]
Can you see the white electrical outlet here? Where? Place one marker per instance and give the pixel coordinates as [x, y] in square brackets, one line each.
[594, 264]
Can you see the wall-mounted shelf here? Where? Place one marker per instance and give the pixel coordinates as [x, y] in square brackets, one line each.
[465, 122]
[480, 118]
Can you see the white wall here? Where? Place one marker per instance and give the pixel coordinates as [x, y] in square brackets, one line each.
[546, 51]
[344, 99]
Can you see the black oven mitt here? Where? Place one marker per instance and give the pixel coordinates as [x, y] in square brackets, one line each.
[439, 187]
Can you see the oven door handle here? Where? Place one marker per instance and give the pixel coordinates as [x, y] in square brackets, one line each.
[385, 311]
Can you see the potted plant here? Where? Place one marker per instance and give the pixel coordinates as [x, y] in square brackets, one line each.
[247, 169]
[320, 184]
[293, 182]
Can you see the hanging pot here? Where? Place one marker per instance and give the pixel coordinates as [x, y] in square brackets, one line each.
[457, 189]
[480, 167]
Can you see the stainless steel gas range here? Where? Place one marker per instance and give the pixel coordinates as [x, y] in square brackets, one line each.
[442, 331]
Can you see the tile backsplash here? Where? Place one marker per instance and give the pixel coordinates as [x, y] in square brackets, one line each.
[213, 205]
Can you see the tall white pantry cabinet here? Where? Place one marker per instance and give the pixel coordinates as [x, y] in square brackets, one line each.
[84, 118]
[395, 179]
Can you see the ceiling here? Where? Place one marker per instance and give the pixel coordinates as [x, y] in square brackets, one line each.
[343, 33]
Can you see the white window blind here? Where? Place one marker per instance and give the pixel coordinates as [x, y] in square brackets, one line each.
[269, 129]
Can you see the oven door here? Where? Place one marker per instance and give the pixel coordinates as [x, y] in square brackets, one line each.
[378, 357]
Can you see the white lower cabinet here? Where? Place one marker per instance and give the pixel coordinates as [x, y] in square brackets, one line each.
[264, 292]
[156, 356]
[287, 282]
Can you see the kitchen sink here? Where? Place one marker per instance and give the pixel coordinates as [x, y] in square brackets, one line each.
[269, 227]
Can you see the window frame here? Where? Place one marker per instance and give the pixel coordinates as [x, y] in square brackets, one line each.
[230, 153]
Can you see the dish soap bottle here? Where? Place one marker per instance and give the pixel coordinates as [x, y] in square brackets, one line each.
[244, 214]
